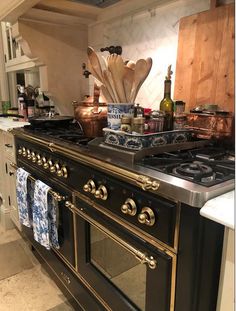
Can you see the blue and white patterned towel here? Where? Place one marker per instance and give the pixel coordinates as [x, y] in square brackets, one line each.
[44, 216]
[22, 197]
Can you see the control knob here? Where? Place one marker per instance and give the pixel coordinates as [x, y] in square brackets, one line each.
[28, 154]
[39, 160]
[62, 172]
[101, 193]
[147, 216]
[20, 151]
[33, 157]
[24, 152]
[90, 186]
[129, 207]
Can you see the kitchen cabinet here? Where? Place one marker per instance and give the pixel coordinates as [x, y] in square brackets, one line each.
[8, 208]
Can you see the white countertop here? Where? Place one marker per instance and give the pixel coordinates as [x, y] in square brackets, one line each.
[220, 209]
[8, 123]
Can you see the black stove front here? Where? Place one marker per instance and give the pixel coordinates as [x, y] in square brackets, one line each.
[207, 166]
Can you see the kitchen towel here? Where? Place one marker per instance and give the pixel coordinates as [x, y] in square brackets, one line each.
[44, 216]
[22, 194]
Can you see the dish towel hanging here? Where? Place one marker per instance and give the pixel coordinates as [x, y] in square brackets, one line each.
[22, 194]
[44, 216]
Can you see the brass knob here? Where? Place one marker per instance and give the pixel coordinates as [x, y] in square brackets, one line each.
[39, 160]
[52, 169]
[147, 216]
[20, 151]
[90, 186]
[101, 193]
[64, 172]
[59, 173]
[28, 152]
[44, 162]
[129, 207]
[24, 152]
[45, 165]
[33, 157]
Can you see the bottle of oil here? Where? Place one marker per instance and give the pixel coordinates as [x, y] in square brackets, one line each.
[167, 104]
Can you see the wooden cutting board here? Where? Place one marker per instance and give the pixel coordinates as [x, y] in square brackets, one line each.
[205, 59]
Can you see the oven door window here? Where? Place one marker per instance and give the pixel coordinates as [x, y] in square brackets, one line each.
[119, 266]
[126, 272]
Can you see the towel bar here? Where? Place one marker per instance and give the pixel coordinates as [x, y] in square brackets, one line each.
[55, 195]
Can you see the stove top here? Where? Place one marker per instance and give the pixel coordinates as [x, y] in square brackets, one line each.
[73, 134]
[207, 166]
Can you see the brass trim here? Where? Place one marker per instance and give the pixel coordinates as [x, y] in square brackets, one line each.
[147, 216]
[132, 228]
[144, 182]
[75, 236]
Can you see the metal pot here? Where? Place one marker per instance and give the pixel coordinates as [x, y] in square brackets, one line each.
[50, 121]
[92, 117]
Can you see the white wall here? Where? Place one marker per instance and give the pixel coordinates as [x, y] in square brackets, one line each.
[149, 33]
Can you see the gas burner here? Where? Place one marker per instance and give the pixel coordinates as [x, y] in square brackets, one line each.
[195, 170]
[204, 166]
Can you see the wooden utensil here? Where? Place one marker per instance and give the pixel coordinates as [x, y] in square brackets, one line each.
[116, 67]
[110, 85]
[128, 82]
[106, 94]
[141, 72]
[95, 64]
[131, 64]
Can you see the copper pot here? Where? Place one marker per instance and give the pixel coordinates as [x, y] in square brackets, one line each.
[92, 117]
[208, 126]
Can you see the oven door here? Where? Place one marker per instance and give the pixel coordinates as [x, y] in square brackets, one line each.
[64, 216]
[126, 272]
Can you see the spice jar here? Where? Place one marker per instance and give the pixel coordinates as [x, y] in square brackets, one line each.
[138, 125]
[156, 121]
[179, 121]
[138, 111]
[125, 124]
[179, 106]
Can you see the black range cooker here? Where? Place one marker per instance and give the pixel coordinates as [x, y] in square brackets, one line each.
[131, 236]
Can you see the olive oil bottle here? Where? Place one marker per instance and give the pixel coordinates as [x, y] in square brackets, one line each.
[167, 104]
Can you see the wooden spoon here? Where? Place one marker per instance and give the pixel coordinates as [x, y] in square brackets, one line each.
[106, 94]
[131, 64]
[95, 64]
[110, 85]
[116, 67]
[128, 82]
[141, 72]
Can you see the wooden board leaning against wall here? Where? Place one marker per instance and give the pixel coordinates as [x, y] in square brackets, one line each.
[205, 59]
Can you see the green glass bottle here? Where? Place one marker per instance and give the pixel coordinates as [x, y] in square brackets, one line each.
[167, 104]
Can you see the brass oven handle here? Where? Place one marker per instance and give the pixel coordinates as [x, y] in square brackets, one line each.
[142, 257]
[55, 195]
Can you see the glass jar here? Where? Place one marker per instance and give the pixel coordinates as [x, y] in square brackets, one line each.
[125, 124]
[179, 106]
[179, 121]
[138, 125]
[156, 121]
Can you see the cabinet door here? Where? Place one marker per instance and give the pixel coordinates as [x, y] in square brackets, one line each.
[11, 193]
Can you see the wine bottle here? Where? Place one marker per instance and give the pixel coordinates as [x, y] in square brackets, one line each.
[167, 104]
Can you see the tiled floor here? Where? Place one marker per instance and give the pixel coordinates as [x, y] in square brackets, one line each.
[24, 285]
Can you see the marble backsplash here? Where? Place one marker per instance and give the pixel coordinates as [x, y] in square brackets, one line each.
[149, 33]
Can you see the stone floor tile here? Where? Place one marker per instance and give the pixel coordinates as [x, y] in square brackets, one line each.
[62, 307]
[7, 236]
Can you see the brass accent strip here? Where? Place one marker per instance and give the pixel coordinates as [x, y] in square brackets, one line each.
[144, 182]
[177, 226]
[173, 283]
[75, 241]
[146, 236]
